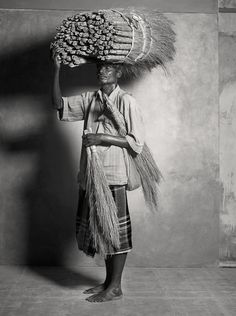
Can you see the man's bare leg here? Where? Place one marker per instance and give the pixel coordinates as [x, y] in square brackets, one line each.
[103, 286]
[112, 289]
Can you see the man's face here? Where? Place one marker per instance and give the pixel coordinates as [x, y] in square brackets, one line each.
[107, 73]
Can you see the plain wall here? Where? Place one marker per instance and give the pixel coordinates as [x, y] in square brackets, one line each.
[227, 89]
[162, 5]
[40, 155]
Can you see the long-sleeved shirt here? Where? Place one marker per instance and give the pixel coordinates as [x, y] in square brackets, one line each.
[89, 106]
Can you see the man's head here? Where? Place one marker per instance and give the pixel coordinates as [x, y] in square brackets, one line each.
[108, 73]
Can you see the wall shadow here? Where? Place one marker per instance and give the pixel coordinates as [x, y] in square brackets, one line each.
[30, 72]
[49, 195]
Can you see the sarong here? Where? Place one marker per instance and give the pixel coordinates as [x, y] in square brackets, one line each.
[83, 234]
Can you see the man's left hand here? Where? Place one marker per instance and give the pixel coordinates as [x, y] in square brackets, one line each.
[91, 139]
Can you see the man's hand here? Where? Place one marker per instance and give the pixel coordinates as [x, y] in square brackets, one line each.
[77, 61]
[57, 61]
[91, 139]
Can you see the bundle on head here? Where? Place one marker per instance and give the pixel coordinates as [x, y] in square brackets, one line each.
[137, 38]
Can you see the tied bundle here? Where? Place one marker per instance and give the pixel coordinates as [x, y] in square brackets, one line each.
[136, 38]
[103, 218]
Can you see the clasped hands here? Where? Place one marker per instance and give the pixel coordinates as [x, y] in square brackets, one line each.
[91, 139]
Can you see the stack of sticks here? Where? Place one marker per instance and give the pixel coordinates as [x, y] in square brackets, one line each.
[136, 38]
[103, 35]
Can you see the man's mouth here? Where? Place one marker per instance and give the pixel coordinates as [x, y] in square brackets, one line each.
[102, 77]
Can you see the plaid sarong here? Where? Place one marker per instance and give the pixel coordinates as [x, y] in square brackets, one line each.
[83, 233]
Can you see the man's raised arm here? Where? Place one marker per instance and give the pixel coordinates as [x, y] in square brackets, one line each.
[57, 101]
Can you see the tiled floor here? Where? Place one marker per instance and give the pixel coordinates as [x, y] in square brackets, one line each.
[54, 291]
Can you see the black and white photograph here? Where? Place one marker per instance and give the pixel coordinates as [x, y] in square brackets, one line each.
[118, 158]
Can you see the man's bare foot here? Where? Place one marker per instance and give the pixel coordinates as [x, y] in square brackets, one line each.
[108, 294]
[97, 289]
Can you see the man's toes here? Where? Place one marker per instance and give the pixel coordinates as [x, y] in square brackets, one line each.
[97, 299]
[95, 290]
[89, 291]
[86, 291]
[91, 298]
[103, 297]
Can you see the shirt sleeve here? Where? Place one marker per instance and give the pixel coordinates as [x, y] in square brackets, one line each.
[74, 107]
[134, 123]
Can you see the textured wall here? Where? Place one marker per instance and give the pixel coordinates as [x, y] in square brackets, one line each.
[161, 5]
[39, 155]
[227, 63]
[181, 114]
[227, 4]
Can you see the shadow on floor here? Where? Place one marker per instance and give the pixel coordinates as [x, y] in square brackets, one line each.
[64, 277]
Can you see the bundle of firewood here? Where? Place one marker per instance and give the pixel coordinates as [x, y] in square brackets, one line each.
[135, 38]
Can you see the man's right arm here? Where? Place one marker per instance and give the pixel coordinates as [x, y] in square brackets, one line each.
[56, 93]
[70, 108]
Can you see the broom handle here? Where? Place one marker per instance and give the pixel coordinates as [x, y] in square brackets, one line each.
[93, 147]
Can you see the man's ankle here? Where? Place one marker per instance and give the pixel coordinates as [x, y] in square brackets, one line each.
[115, 284]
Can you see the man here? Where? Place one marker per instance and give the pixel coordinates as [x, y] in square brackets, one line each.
[94, 108]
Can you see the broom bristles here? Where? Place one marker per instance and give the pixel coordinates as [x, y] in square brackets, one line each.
[150, 176]
[103, 211]
[162, 38]
[147, 160]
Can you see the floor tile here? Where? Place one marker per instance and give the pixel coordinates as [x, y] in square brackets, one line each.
[49, 291]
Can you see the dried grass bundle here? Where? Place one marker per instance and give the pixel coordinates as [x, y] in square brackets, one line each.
[137, 38]
[150, 176]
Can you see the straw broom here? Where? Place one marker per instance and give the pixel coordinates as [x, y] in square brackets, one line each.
[150, 175]
[103, 218]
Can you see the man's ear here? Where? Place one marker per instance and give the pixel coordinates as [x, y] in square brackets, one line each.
[119, 73]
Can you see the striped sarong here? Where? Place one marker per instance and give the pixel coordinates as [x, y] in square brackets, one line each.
[83, 233]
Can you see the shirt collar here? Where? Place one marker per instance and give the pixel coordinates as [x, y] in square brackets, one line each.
[113, 94]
